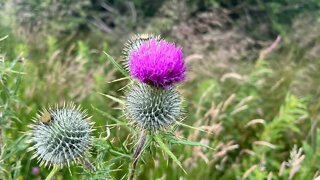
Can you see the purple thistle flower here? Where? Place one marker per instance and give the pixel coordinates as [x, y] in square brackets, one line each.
[35, 171]
[158, 63]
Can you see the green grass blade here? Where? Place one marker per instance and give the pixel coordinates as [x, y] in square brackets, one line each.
[4, 37]
[120, 79]
[119, 122]
[53, 172]
[113, 98]
[116, 65]
[194, 128]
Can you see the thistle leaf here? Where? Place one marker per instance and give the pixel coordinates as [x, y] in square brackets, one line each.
[167, 151]
[175, 140]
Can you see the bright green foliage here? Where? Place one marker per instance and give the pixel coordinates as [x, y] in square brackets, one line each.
[261, 120]
[12, 146]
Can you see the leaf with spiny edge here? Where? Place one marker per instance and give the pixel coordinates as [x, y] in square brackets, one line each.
[174, 140]
[157, 138]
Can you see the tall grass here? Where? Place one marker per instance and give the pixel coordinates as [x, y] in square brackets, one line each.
[261, 120]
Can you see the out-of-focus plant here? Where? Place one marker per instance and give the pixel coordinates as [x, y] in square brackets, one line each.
[50, 16]
[275, 16]
[262, 116]
[70, 17]
[11, 150]
[63, 72]
[264, 110]
[10, 77]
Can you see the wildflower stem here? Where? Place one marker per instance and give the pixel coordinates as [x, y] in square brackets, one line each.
[52, 173]
[1, 138]
[87, 164]
[137, 153]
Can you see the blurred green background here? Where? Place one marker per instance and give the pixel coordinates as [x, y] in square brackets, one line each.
[253, 83]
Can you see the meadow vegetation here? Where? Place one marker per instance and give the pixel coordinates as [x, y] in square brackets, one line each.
[252, 93]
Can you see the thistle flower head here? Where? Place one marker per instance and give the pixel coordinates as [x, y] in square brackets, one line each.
[133, 44]
[153, 108]
[157, 63]
[60, 135]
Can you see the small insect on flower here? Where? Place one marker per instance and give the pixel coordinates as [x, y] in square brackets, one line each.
[60, 135]
[45, 117]
[133, 44]
[153, 108]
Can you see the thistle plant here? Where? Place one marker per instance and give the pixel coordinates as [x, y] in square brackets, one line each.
[60, 136]
[153, 105]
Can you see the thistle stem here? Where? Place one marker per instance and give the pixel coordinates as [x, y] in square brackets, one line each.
[137, 153]
[87, 164]
[53, 172]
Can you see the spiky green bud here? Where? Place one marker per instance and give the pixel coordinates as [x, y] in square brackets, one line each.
[153, 108]
[60, 136]
[133, 44]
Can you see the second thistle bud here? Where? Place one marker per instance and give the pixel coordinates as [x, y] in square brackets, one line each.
[60, 135]
[153, 108]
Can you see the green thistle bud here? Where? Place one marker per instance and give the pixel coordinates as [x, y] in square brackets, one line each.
[153, 108]
[133, 44]
[60, 135]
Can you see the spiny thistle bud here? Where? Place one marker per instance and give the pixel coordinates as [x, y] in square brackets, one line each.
[153, 108]
[133, 44]
[60, 135]
[157, 63]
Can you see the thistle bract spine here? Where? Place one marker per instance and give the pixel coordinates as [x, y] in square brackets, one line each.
[153, 108]
[133, 44]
